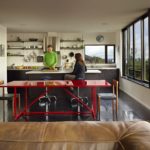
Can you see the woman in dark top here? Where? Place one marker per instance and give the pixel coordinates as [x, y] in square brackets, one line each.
[79, 67]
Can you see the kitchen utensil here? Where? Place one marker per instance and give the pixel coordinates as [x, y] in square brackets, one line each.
[64, 57]
[71, 54]
[39, 58]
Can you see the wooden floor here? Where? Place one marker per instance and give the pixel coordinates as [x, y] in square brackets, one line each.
[129, 110]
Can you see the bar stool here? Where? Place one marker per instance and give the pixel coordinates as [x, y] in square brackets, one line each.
[9, 98]
[74, 103]
[45, 101]
[109, 97]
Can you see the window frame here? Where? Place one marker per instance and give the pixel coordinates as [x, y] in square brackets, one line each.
[124, 30]
[106, 52]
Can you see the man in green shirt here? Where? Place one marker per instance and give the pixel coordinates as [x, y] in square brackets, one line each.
[50, 58]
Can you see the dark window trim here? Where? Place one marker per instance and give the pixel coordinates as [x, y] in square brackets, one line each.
[141, 19]
[133, 52]
[137, 19]
[149, 41]
[123, 53]
[106, 56]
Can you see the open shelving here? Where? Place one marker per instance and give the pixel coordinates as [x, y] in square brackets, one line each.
[16, 55]
[25, 45]
[71, 40]
[72, 44]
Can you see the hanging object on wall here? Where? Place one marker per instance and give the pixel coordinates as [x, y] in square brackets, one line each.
[71, 54]
[99, 38]
[64, 57]
[2, 50]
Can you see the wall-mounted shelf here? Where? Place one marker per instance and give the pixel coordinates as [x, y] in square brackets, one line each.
[25, 48]
[71, 48]
[72, 44]
[15, 48]
[16, 55]
[33, 48]
[25, 45]
[71, 40]
[24, 41]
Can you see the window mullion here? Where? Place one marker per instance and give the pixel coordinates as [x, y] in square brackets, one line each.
[149, 41]
[142, 48]
[133, 52]
[106, 58]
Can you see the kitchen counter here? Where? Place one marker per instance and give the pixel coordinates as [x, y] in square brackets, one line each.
[57, 71]
[21, 69]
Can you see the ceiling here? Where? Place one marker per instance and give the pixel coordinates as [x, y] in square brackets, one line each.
[70, 15]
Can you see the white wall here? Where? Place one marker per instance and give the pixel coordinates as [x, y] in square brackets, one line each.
[89, 38]
[138, 92]
[3, 59]
[109, 38]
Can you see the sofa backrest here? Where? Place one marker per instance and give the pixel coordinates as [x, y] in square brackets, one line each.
[88, 135]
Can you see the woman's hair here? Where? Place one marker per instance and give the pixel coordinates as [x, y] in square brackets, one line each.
[79, 58]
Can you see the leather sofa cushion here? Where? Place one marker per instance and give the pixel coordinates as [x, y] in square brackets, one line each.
[74, 135]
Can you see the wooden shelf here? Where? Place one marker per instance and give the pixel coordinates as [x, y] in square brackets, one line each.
[33, 48]
[16, 55]
[23, 41]
[25, 48]
[70, 48]
[71, 40]
[14, 48]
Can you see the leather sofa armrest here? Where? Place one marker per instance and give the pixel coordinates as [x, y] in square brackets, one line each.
[136, 137]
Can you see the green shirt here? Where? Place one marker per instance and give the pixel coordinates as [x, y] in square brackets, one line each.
[50, 59]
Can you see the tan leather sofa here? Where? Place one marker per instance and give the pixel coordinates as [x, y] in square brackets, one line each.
[75, 136]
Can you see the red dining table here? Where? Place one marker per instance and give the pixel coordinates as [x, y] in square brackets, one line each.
[65, 85]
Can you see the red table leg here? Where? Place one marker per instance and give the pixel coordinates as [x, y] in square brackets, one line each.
[3, 105]
[26, 101]
[93, 95]
[15, 100]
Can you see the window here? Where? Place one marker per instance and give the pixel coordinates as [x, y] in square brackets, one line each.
[99, 54]
[130, 57]
[146, 50]
[125, 53]
[136, 65]
[110, 54]
[137, 50]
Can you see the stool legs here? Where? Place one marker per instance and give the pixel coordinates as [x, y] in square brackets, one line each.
[3, 106]
[113, 109]
[46, 108]
[98, 107]
[117, 109]
[46, 101]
